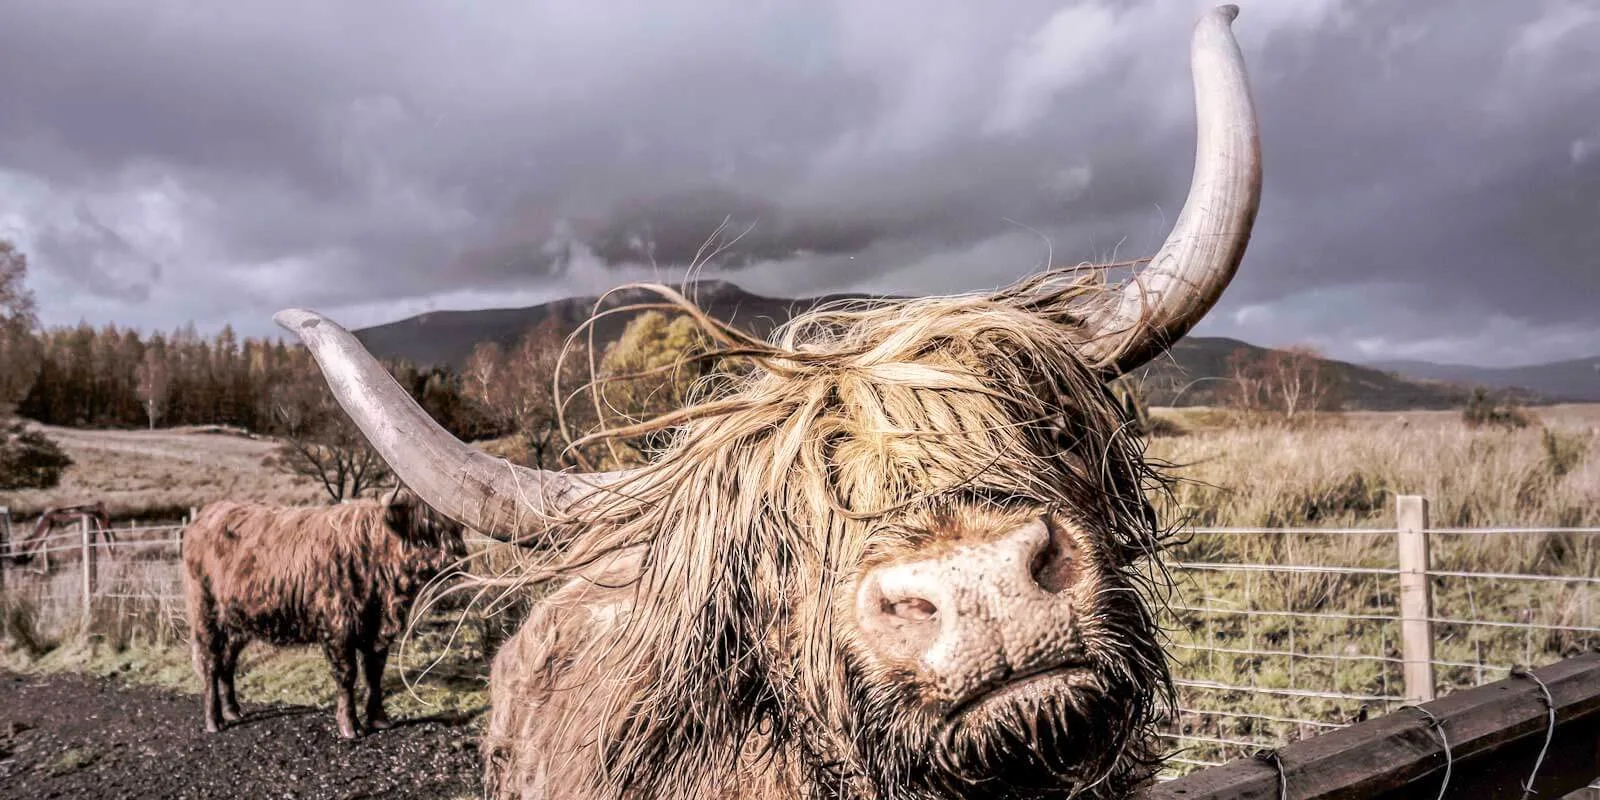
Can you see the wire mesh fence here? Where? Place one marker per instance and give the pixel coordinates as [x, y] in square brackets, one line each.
[1276, 634]
[1279, 634]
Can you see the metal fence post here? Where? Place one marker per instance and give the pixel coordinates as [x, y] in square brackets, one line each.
[1416, 597]
[88, 569]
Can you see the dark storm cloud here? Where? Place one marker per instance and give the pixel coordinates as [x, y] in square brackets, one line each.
[96, 256]
[1432, 169]
[1436, 149]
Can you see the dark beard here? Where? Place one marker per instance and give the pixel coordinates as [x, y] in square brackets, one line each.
[1086, 736]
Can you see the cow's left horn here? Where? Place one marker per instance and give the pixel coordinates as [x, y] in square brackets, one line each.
[503, 500]
[1187, 276]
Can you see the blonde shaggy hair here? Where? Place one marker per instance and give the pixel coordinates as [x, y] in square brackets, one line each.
[729, 667]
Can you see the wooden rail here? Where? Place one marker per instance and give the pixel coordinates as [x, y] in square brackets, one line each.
[1497, 735]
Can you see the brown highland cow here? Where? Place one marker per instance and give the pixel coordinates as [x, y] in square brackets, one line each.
[908, 554]
[340, 576]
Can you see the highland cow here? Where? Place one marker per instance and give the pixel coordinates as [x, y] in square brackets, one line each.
[910, 553]
[343, 577]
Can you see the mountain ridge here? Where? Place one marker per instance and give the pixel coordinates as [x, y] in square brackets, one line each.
[1192, 373]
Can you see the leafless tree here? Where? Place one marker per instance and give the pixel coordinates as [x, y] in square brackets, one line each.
[321, 443]
[155, 384]
[518, 386]
[1292, 383]
[1300, 380]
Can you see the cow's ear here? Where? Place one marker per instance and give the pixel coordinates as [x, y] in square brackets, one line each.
[399, 507]
[398, 496]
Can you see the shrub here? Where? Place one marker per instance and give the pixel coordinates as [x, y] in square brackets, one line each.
[1483, 411]
[29, 459]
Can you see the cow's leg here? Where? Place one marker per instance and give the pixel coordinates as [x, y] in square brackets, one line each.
[207, 665]
[373, 659]
[230, 665]
[342, 657]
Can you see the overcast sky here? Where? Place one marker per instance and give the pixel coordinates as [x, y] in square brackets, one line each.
[1432, 168]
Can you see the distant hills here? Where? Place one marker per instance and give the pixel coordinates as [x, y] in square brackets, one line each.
[1578, 379]
[1191, 374]
[1196, 371]
[447, 337]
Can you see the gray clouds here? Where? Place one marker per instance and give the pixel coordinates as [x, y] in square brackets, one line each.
[1432, 167]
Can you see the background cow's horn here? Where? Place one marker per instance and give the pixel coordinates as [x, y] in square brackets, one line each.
[488, 494]
[1186, 277]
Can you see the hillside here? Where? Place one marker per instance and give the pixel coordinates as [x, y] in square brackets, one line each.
[1576, 380]
[1196, 370]
[1191, 375]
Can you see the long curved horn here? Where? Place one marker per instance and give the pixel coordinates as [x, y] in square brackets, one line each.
[503, 500]
[1184, 280]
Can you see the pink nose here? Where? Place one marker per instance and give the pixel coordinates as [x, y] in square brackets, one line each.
[977, 614]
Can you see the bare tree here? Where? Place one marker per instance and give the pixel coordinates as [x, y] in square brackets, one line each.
[1247, 390]
[485, 372]
[646, 372]
[531, 377]
[1292, 383]
[155, 384]
[321, 443]
[517, 388]
[1298, 379]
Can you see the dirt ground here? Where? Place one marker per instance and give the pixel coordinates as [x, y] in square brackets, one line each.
[71, 736]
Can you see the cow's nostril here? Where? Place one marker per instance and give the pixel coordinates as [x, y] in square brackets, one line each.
[900, 621]
[1052, 566]
[912, 609]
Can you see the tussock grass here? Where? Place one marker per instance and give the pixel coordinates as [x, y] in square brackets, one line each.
[1346, 473]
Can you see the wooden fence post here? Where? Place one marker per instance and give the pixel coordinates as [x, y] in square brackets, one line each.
[1416, 597]
[88, 569]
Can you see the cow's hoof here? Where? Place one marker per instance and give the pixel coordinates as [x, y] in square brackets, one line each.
[231, 715]
[213, 727]
[379, 724]
[348, 733]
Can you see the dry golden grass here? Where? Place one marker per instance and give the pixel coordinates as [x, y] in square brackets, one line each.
[165, 472]
[162, 473]
[1345, 471]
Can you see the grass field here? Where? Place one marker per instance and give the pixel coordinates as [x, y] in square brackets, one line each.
[161, 474]
[1344, 471]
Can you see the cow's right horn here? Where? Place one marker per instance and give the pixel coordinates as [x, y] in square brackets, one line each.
[487, 494]
[1186, 277]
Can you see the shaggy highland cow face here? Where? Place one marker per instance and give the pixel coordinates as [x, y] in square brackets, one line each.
[997, 649]
[419, 525]
[987, 632]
